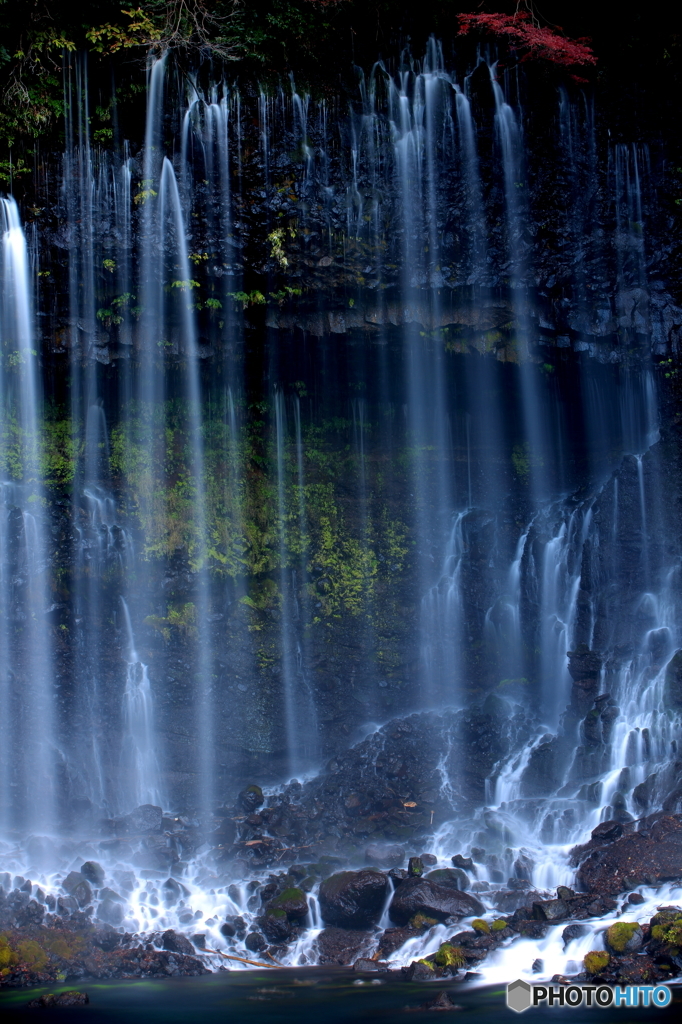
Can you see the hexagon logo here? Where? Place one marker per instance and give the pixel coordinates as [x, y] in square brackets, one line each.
[518, 995]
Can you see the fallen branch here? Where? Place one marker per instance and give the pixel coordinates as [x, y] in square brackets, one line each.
[242, 960]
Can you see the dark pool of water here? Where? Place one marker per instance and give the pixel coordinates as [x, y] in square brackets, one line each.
[300, 996]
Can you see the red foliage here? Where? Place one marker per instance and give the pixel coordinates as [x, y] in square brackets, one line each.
[531, 40]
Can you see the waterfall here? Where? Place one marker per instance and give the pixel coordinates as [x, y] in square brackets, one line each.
[28, 744]
[139, 761]
[344, 419]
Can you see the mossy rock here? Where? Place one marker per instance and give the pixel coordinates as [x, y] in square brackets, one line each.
[668, 931]
[596, 961]
[479, 925]
[291, 902]
[624, 937]
[449, 956]
[426, 963]
[498, 926]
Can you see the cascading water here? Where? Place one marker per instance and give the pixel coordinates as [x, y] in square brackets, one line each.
[138, 756]
[28, 743]
[450, 499]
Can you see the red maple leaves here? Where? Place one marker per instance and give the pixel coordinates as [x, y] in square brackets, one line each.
[530, 40]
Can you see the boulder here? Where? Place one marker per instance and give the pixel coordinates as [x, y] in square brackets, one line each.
[550, 910]
[624, 937]
[146, 818]
[508, 902]
[464, 863]
[607, 832]
[250, 798]
[353, 899]
[110, 912]
[415, 867]
[649, 856]
[276, 925]
[392, 939]
[175, 942]
[173, 891]
[78, 886]
[255, 942]
[93, 872]
[67, 905]
[573, 931]
[422, 896]
[343, 945]
[293, 902]
[452, 878]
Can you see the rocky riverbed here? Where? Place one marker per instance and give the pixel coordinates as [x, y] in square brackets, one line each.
[142, 911]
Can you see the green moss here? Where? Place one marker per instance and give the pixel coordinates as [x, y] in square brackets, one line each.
[7, 955]
[479, 925]
[63, 944]
[670, 933]
[420, 922]
[524, 460]
[426, 963]
[449, 956]
[596, 962]
[182, 618]
[620, 933]
[31, 954]
[498, 926]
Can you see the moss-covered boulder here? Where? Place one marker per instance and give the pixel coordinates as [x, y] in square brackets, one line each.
[596, 961]
[449, 956]
[292, 901]
[666, 932]
[624, 937]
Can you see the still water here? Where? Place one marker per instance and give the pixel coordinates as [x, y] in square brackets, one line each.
[305, 996]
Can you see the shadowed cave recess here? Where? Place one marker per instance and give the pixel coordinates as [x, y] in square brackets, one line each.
[341, 490]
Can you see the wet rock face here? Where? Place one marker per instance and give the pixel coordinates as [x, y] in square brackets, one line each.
[673, 683]
[342, 945]
[78, 887]
[93, 872]
[353, 899]
[176, 942]
[649, 856]
[421, 896]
